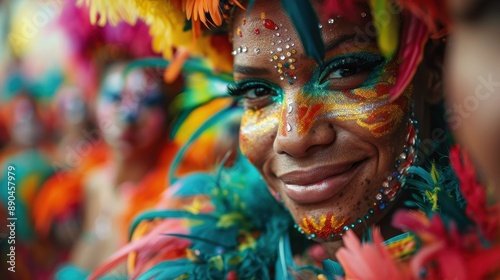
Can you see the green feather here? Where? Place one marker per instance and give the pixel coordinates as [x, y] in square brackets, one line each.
[219, 116]
[250, 5]
[306, 24]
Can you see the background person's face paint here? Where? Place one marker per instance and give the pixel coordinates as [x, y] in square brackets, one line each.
[131, 110]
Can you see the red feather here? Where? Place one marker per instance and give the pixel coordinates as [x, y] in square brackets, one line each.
[414, 37]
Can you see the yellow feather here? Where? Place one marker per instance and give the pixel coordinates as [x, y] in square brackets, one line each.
[387, 25]
[434, 173]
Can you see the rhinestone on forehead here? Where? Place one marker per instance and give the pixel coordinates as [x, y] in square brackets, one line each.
[282, 53]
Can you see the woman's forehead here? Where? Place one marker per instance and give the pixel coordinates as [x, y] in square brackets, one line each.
[265, 36]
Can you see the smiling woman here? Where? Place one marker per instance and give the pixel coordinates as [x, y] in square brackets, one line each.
[300, 119]
[328, 123]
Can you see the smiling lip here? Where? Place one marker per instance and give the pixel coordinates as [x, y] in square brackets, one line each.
[318, 184]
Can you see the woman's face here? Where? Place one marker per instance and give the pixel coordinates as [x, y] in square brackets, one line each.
[27, 128]
[130, 111]
[323, 136]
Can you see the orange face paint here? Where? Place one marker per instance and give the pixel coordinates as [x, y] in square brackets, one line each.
[324, 226]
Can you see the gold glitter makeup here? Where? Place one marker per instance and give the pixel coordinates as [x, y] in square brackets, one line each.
[324, 227]
[255, 124]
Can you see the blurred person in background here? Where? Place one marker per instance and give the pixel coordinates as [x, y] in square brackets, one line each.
[109, 172]
[30, 76]
[97, 153]
[472, 84]
[471, 79]
[29, 158]
[133, 119]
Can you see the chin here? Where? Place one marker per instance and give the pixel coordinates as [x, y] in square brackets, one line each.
[351, 209]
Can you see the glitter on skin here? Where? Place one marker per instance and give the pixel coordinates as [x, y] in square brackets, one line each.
[283, 121]
[306, 116]
[366, 105]
[257, 123]
[342, 99]
[378, 116]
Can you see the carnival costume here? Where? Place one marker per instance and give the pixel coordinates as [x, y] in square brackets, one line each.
[226, 225]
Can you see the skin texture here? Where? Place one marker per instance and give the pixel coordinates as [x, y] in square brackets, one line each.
[326, 120]
[472, 85]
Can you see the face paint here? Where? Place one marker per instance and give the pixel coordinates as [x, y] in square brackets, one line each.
[132, 104]
[328, 226]
[333, 118]
[324, 227]
[255, 125]
[367, 105]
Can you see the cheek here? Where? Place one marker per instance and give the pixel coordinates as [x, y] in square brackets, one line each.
[257, 132]
[152, 122]
[106, 113]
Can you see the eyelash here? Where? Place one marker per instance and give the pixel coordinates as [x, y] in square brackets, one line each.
[241, 90]
[361, 62]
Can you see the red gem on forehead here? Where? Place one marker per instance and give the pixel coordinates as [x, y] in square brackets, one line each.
[269, 24]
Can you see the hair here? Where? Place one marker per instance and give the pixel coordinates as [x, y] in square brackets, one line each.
[474, 11]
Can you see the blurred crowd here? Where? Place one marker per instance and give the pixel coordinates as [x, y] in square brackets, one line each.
[90, 128]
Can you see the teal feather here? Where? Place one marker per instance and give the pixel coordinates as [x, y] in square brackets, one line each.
[219, 247]
[306, 23]
[72, 272]
[450, 202]
[200, 184]
[250, 5]
[219, 117]
[285, 259]
[173, 268]
[332, 268]
[205, 240]
[451, 211]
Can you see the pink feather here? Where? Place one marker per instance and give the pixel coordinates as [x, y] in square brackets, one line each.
[367, 260]
[414, 37]
[349, 10]
[153, 243]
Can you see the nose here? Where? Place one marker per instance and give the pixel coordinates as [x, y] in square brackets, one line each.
[129, 113]
[304, 129]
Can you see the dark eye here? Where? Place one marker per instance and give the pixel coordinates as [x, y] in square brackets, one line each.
[152, 100]
[351, 71]
[113, 97]
[258, 92]
[255, 94]
[345, 72]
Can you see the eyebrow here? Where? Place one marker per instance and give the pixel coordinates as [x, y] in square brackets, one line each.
[331, 45]
[250, 70]
[261, 71]
[339, 41]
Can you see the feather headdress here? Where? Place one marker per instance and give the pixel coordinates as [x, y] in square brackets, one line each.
[176, 28]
